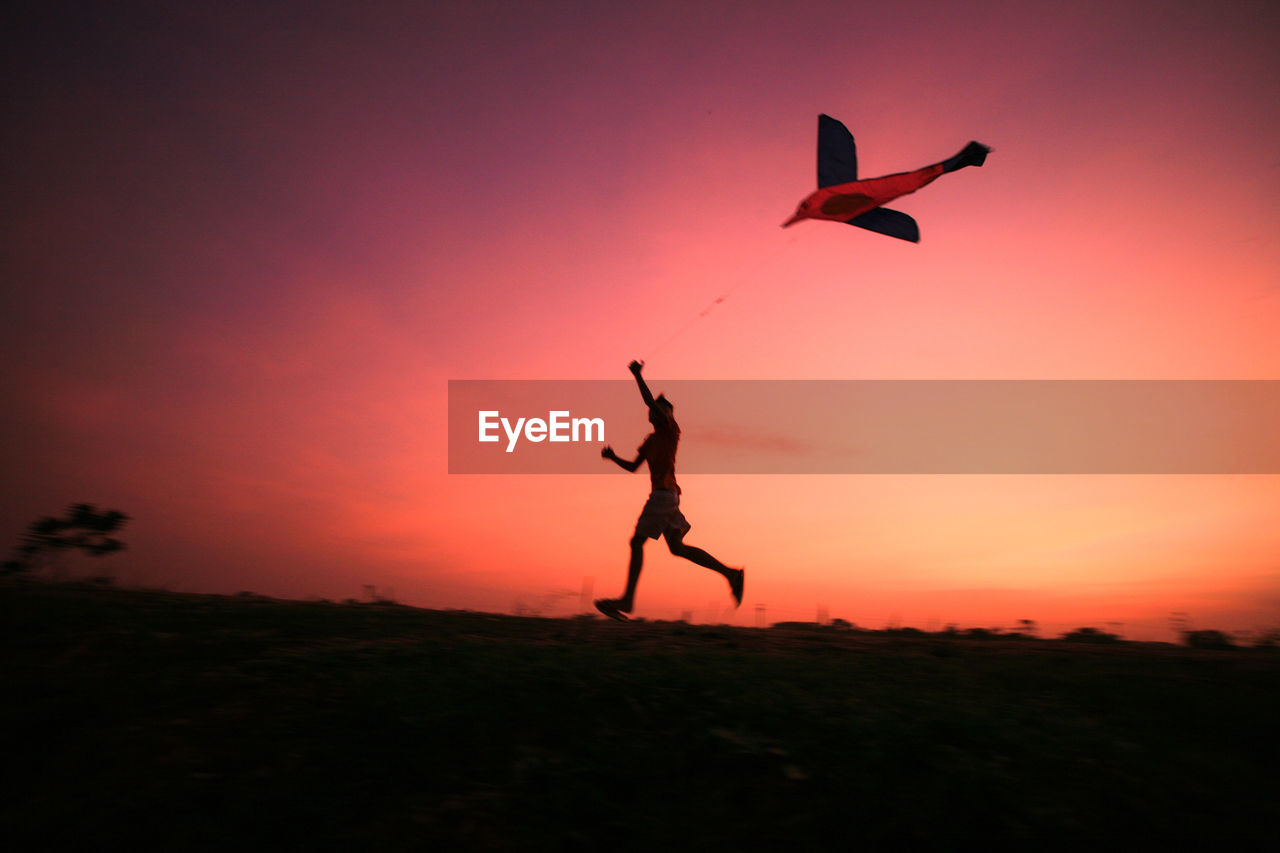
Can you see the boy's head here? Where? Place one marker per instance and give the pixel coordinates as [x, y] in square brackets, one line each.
[660, 410]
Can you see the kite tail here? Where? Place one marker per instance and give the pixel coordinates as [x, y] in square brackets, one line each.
[974, 154]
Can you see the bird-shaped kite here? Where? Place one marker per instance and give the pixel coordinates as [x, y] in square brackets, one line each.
[841, 197]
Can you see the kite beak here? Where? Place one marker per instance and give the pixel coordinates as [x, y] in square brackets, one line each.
[792, 221]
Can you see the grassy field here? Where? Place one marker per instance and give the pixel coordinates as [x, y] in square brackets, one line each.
[171, 722]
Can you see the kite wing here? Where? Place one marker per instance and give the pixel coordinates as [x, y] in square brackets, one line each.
[837, 154]
[889, 222]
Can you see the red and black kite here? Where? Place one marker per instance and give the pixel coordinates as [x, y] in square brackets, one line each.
[841, 197]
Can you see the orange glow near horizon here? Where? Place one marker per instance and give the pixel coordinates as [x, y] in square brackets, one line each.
[238, 289]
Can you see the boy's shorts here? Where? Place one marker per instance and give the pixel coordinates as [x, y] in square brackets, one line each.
[660, 514]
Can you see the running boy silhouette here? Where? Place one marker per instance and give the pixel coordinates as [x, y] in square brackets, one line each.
[661, 515]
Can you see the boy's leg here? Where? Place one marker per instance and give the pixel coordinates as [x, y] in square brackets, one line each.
[675, 541]
[628, 599]
[633, 573]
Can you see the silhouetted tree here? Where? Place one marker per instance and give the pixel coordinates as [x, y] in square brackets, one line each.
[84, 529]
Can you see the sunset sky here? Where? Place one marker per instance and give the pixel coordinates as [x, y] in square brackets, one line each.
[247, 245]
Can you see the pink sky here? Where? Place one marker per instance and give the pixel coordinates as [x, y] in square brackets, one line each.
[246, 249]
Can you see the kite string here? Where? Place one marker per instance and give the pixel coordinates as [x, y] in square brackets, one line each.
[743, 279]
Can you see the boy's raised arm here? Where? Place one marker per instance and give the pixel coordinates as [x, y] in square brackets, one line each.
[635, 367]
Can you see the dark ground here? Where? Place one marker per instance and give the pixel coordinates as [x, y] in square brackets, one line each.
[156, 720]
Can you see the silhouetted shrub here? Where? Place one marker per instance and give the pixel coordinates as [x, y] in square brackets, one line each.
[1208, 639]
[1091, 635]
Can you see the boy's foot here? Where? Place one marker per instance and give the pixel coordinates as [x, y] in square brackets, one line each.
[612, 608]
[736, 580]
